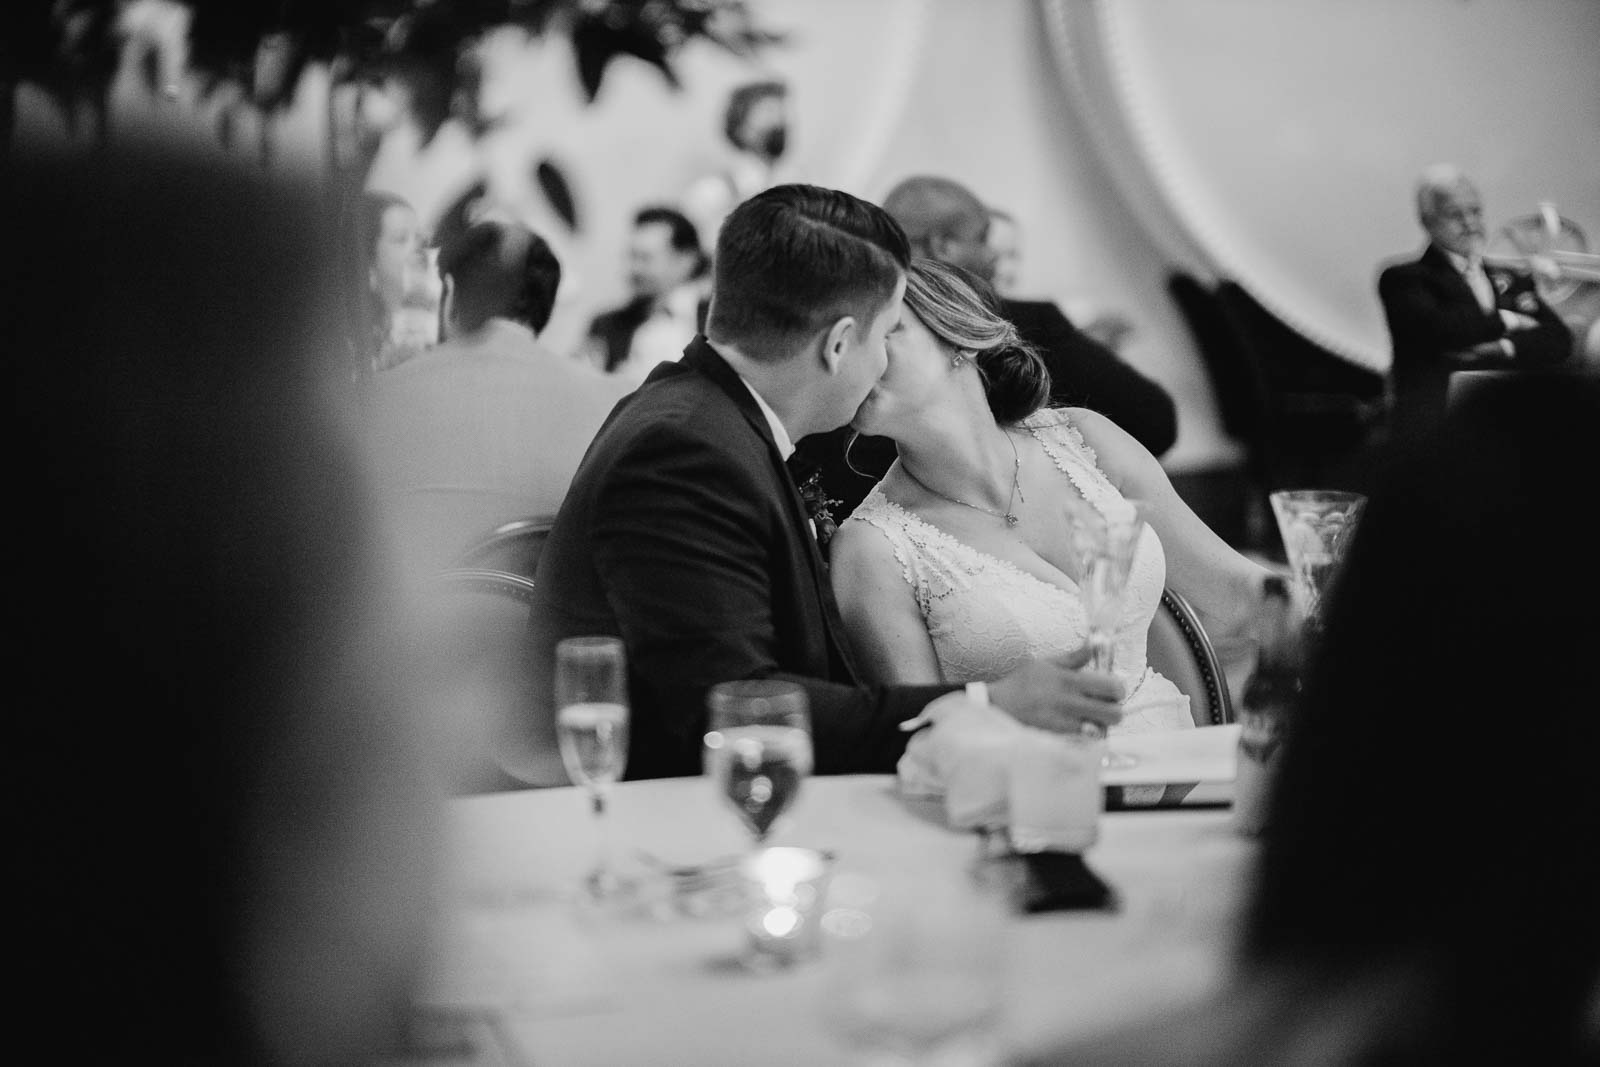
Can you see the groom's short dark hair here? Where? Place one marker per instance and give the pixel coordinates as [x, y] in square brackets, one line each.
[796, 258]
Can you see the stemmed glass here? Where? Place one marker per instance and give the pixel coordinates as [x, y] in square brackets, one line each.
[758, 748]
[1316, 525]
[1105, 544]
[591, 687]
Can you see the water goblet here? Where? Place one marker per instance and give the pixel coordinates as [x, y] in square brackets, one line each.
[591, 690]
[758, 748]
[1105, 544]
[1316, 525]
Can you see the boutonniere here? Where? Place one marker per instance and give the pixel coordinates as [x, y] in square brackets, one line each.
[819, 507]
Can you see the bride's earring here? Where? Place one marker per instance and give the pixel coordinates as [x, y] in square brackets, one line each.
[958, 361]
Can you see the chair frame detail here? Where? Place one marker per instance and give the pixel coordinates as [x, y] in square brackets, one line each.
[486, 580]
[1205, 655]
[507, 535]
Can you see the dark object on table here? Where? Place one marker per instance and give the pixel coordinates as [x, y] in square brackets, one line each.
[1059, 881]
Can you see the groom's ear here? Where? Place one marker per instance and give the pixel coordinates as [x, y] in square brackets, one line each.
[836, 341]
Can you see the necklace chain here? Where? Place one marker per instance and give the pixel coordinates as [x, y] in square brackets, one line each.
[1016, 491]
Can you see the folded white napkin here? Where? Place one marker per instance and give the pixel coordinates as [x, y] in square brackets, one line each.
[965, 757]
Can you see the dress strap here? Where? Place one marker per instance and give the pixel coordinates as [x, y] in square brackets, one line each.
[1073, 456]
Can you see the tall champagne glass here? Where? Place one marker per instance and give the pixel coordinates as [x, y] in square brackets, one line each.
[1105, 545]
[758, 748]
[591, 687]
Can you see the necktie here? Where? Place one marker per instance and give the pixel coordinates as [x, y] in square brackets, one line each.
[1478, 279]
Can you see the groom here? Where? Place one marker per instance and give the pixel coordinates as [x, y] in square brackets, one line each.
[684, 534]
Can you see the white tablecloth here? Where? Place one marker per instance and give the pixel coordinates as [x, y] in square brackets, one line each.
[573, 986]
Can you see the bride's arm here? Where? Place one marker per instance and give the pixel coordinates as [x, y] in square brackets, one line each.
[879, 608]
[1223, 585]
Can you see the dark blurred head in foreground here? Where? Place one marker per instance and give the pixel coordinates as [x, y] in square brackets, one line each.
[224, 823]
[1435, 821]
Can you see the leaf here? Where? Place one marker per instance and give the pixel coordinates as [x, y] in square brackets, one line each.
[597, 41]
[557, 191]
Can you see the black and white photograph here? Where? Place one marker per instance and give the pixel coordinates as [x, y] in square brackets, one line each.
[893, 533]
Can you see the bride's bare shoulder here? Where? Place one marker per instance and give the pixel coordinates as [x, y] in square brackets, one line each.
[862, 558]
[1085, 425]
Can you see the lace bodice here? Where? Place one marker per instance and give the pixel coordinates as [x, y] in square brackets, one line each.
[986, 616]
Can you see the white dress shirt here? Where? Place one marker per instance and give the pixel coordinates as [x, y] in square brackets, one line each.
[780, 436]
[662, 337]
[1477, 278]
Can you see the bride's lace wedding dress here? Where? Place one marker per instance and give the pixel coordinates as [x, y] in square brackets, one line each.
[987, 616]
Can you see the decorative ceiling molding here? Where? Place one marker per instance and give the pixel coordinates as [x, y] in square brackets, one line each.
[1095, 42]
[1078, 43]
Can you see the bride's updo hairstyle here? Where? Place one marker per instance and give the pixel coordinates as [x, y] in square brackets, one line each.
[962, 310]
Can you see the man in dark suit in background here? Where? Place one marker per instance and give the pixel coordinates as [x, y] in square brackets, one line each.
[666, 273]
[945, 220]
[1449, 311]
[684, 533]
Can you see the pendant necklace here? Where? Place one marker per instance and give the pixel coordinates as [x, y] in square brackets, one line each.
[1016, 491]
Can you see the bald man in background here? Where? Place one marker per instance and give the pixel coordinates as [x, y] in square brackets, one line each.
[946, 221]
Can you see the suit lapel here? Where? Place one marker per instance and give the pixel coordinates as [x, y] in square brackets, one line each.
[702, 358]
[1448, 274]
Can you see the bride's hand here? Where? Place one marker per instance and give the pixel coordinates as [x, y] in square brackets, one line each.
[1054, 694]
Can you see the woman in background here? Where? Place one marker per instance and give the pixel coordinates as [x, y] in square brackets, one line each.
[397, 289]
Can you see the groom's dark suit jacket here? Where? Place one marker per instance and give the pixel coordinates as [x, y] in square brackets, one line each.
[684, 534]
[1434, 320]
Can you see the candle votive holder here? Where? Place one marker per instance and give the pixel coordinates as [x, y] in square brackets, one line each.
[785, 890]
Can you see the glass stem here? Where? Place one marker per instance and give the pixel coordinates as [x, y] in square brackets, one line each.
[602, 827]
[1100, 650]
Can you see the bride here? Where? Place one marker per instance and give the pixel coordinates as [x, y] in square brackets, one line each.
[956, 567]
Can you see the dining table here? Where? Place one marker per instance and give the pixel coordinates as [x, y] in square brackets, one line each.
[664, 978]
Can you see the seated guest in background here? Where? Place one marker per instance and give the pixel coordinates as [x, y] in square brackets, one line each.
[957, 566]
[1005, 241]
[684, 533]
[755, 125]
[1426, 890]
[398, 290]
[666, 273]
[1448, 311]
[489, 426]
[230, 824]
[947, 222]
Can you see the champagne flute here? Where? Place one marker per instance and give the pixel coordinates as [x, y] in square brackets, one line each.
[1105, 545]
[758, 748]
[591, 687]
